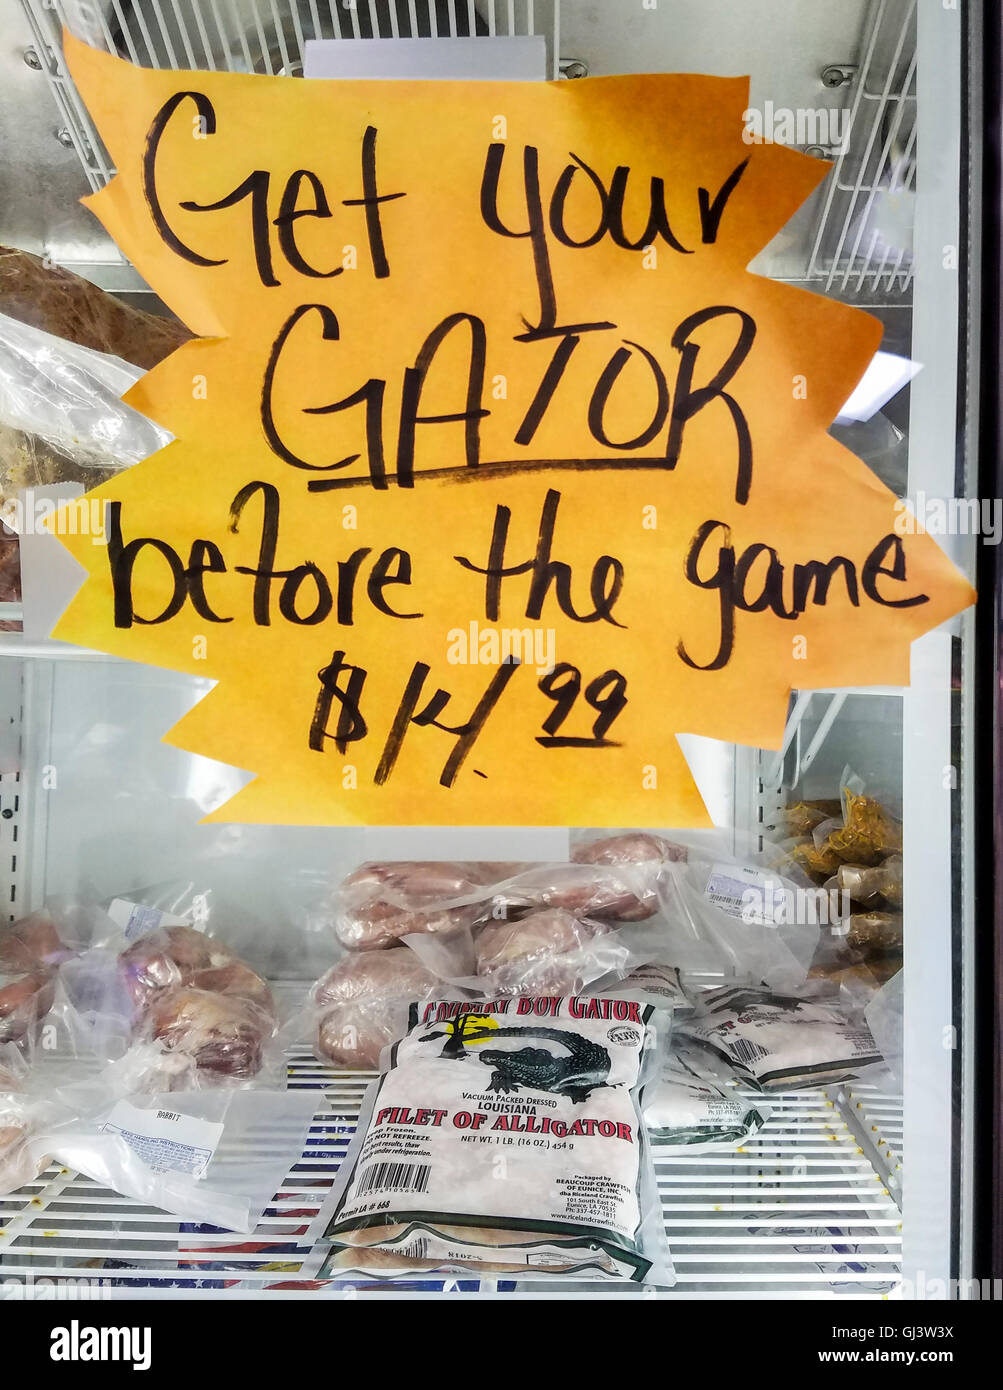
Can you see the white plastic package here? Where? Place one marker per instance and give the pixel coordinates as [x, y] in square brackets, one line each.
[699, 1107]
[782, 1041]
[739, 919]
[652, 983]
[212, 1155]
[505, 1135]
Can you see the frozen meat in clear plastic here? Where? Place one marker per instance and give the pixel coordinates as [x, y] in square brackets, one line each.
[867, 884]
[32, 942]
[549, 951]
[875, 932]
[220, 1036]
[620, 893]
[870, 832]
[381, 902]
[25, 999]
[361, 1004]
[168, 957]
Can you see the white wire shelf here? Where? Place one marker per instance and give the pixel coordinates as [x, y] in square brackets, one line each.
[801, 1211]
[861, 243]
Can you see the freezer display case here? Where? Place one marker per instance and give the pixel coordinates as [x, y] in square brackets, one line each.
[858, 1190]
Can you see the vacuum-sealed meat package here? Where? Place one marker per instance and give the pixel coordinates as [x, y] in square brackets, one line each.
[505, 1135]
[361, 1004]
[169, 957]
[551, 951]
[782, 1041]
[621, 890]
[699, 1107]
[209, 1036]
[25, 999]
[377, 904]
[210, 1017]
[31, 943]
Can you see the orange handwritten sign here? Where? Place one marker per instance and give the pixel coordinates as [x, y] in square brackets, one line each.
[494, 468]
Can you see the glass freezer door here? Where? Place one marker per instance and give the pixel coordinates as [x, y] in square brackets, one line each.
[859, 1190]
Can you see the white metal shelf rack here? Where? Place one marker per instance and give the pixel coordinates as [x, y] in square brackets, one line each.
[802, 1211]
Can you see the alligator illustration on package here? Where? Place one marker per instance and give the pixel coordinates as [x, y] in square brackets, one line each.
[583, 1070]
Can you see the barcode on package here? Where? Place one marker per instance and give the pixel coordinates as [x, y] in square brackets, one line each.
[745, 1051]
[393, 1177]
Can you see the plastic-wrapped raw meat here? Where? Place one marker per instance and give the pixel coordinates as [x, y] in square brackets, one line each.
[239, 981]
[168, 957]
[222, 1035]
[16, 1164]
[361, 1004]
[380, 903]
[636, 847]
[855, 975]
[864, 885]
[817, 861]
[621, 893]
[32, 942]
[539, 954]
[396, 973]
[25, 999]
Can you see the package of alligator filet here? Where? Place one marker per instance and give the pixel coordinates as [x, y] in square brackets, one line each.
[504, 1136]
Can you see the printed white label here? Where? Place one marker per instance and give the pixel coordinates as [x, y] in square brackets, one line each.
[136, 919]
[164, 1140]
[744, 892]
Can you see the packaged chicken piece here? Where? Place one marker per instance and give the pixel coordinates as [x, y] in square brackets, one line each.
[361, 1004]
[782, 1041]
[505, 1135]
